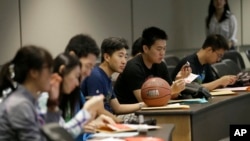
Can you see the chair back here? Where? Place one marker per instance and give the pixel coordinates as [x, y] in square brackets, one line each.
[236, 57]
[233, 68]
[171, 60]
[248, 54]
[220, 69]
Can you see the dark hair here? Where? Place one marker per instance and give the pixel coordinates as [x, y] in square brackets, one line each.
[26, 58]
[151, 34]
[70, 62]
[82, 45]
[112, 44]
[211, 11]
[215, 41]
[136, 47]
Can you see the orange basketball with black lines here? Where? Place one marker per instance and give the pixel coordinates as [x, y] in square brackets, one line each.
[155, 92]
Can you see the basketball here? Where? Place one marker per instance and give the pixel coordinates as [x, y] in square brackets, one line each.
[155, 92]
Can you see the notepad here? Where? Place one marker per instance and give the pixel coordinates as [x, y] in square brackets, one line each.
[245, 88]
[189, 101]
[191, 78]
[114, 135]
[124, 127]
[169, 106]
[222, 92]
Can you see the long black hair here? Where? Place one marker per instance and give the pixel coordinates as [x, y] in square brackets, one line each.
[16, 70]
[70, 62]
[211, 11]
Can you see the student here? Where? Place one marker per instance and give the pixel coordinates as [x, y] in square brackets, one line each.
[136, 50]
[212, 51]
[21, 81]
[114, 58]
[220, 20]
[85, 48]
[67, 68]
[147, 64]
[136, 47]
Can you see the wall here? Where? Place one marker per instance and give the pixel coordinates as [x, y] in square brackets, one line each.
[52, 23]
[9, 29]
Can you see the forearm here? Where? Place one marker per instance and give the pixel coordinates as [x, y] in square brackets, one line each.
[75, 125]
[127, 108]
[212, 85]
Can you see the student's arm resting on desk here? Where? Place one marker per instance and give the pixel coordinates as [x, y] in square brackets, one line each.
[75, 125]
[137, 94]
[221, 82]
[125, 108]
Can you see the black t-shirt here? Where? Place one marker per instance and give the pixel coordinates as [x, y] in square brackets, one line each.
[204, 71]
[134, 75]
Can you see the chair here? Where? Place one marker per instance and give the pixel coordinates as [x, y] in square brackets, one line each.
[248, 54]
[54, 132]
[236, 57]
[171, 60]
[233, 68]
[220, 69]
[170, 70]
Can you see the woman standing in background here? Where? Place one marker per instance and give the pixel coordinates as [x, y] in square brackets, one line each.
[220, 20]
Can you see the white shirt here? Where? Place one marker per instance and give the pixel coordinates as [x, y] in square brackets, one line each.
[227, 28]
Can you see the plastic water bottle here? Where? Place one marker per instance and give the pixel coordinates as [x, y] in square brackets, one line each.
[142, 128]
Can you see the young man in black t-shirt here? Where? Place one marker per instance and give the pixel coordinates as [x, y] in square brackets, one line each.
[212, 51]
[147, 64]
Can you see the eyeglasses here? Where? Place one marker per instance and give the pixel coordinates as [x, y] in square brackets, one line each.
[219, 55]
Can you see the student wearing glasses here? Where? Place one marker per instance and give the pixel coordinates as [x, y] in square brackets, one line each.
[211, 52]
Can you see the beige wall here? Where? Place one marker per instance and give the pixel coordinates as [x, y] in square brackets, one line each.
[51, 23]
[9, 29]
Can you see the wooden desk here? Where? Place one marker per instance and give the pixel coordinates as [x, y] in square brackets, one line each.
[205, 122]
[165, 132]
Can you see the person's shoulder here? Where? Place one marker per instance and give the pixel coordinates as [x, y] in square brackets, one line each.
[135, 60]
[134, 63]
[96, 73]
[17, 102]
[189, 58]
[230, 15]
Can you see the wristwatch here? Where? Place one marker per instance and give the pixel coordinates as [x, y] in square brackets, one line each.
[140, 106]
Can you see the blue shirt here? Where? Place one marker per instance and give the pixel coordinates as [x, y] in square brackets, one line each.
[99, 83]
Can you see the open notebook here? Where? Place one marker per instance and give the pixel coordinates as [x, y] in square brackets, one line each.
[169, 106]
[124, 127]
[235, 89]
[222, 92]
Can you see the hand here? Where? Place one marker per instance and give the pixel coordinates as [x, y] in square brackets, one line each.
[94, 105]
[101, 121]
[178, 86]
[90, 127]
[55, 82]
[184, 72]
[227, 80]
[107, 113]
[54, 92]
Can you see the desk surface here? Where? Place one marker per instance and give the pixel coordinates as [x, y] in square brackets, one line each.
[197, 108]
[165, 132]
[216, 116]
